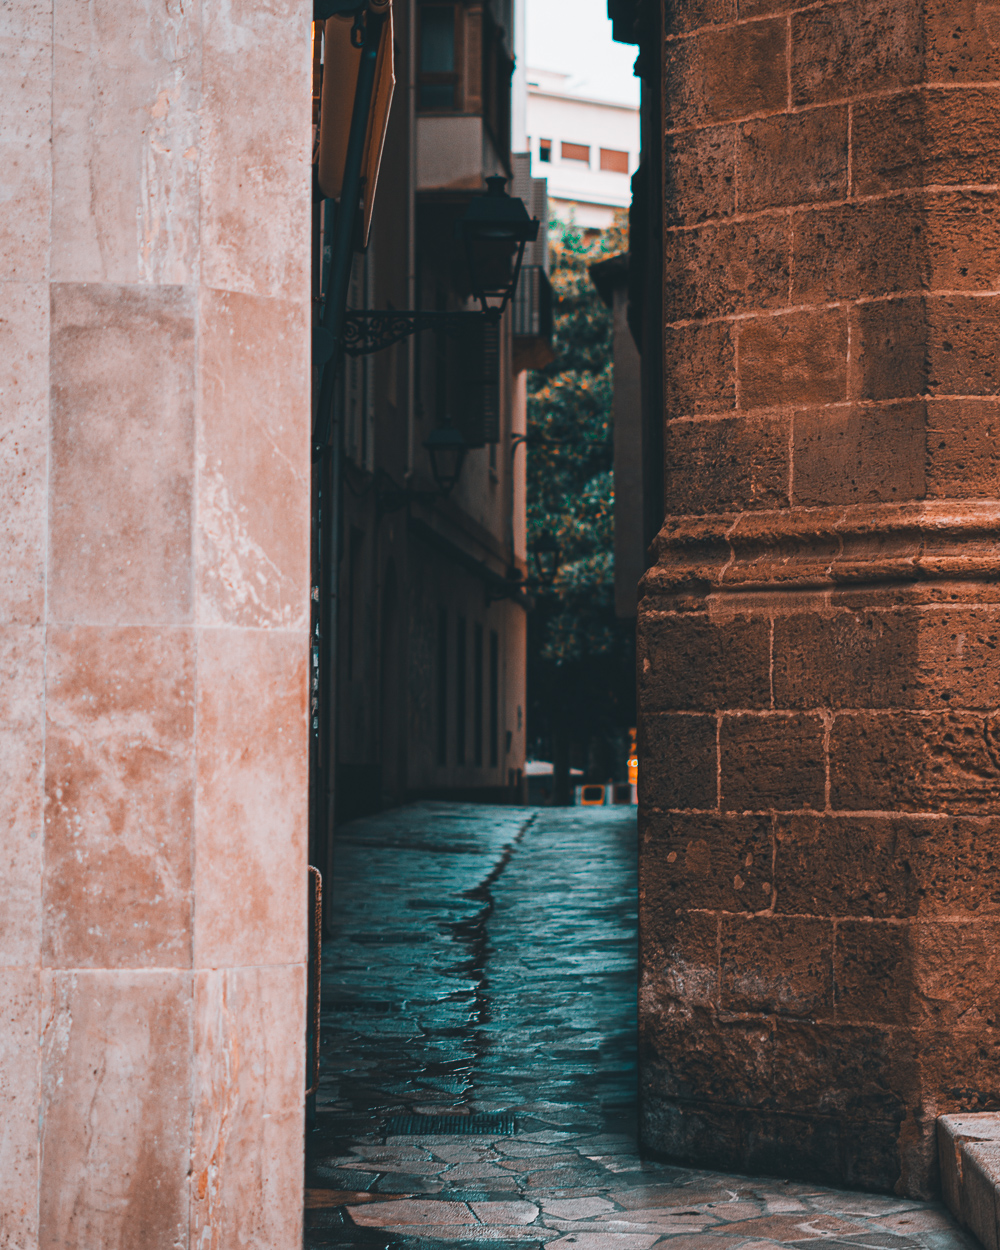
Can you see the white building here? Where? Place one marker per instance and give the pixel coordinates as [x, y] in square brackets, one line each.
[587, 149]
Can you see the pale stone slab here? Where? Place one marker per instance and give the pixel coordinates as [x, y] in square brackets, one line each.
[116, 1080]
[247, 1155]
[504, 1234]
[383, 1154]
[651, 1219]
[25, 150]
[576, 1208]
[606, 1241]
[21, 828]
[19, 1092]
[125, 141]
[505, 1212]
[411, 1212]
[908, 1223]
[24, 441]
[120, 787]
[255, 160]
[253, 462]
[953, 1133]
[251, 816]
[122, 455]
[981, 1191]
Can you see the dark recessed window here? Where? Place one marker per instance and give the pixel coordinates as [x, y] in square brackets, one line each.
[575, 152]
[477, 695]
[614, 161]
[545, 150]
[442, 688]
[494, 698]
[438, 78]
[460, 690]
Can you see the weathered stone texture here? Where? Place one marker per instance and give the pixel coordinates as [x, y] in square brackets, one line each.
[818, 643]
[154, 601]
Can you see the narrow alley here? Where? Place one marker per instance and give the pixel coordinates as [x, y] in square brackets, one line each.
[478, 1056]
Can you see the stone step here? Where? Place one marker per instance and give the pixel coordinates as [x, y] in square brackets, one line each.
[969, 1150]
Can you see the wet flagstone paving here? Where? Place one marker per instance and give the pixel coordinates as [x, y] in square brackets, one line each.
[482, 962]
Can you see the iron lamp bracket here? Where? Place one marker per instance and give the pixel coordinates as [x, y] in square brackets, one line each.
[366, 332]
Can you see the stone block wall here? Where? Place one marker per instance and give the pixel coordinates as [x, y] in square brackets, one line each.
[154, 614]
[819, 637]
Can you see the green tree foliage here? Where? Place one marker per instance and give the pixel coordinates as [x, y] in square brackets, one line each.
[581, 666]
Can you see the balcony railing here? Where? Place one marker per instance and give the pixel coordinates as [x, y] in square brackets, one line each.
[532, 305]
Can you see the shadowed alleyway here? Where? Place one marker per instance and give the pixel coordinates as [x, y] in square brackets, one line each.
[482, 968]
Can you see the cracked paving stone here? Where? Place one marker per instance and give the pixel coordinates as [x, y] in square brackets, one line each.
[482, 961]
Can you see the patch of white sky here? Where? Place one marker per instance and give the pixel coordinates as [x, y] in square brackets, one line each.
[573, 37]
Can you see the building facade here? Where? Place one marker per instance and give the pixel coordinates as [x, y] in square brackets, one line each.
[586, 149]
[819, 771]
[421, 640]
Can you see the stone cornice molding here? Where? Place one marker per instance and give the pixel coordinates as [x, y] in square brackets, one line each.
[816, 548]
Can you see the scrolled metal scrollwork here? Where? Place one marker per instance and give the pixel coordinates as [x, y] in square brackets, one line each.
[366, 332]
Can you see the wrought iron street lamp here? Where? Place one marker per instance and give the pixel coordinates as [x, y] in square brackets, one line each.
[495, 229]
[446, 448]
[545, 557]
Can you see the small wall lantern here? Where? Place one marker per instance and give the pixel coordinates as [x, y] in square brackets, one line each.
[447, 449]
[495, 228]
[545, 556]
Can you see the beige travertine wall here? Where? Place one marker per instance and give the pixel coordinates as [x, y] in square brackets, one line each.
[154, 472]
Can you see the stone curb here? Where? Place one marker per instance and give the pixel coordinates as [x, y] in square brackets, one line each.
[969, 1150]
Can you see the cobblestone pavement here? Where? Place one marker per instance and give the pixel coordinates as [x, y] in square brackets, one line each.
[483, 965]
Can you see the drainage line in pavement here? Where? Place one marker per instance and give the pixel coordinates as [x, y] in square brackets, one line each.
[472, 933]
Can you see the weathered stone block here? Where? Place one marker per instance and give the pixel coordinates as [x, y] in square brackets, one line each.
[935, 658]
[718, 270]
[695, 662]
[962, 42]
[811, 1144]
[907, 761]
[680, 960]
[792, 158]
[981, 1192]
[697, 1134]
[797, 358]
[954, 1134]
[859, 455]
[719, 75]
[699, 167]
[726, 465]
[681, 18]
[953, 1069]
[848, 1071]
[853, 249]
[862, 46]
[713, 863]
[699, 369]
[772, 761]
[936, 345]
[890, 340]
[926, 138]
[685, 772]
[777, 965]
[702, 1058]
[963, 345]
[963, 448]
[947, 241]
[886, 866]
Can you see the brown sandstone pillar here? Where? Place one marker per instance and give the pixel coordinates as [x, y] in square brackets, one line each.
[820, 636]
[154, 471]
